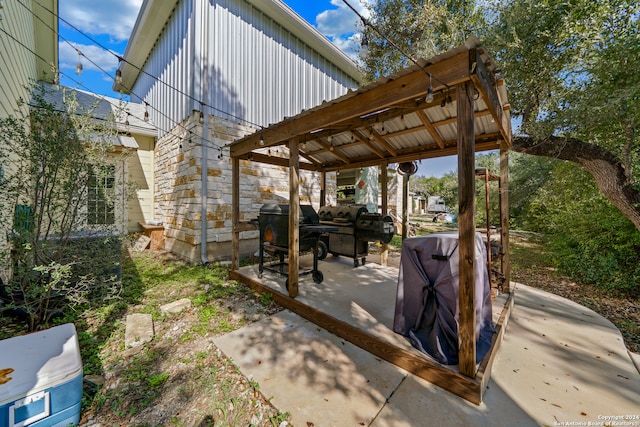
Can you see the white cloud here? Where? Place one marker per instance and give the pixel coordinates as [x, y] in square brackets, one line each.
[68, 57]
[342, 25]
[113, 17]
[342, 21]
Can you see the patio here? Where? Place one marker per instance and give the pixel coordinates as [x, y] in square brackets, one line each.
[559, 361]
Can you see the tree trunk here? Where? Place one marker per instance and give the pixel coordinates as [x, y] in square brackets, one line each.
[603, 165]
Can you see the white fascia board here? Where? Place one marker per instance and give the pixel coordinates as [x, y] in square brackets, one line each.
[152, 18]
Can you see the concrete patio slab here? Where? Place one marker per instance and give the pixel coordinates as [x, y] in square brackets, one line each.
[560, 363]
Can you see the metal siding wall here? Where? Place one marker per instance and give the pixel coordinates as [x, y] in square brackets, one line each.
[169, 61]
[258, 73]
[18, 65]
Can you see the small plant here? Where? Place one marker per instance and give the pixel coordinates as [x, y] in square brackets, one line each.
[59, 195]
[279, 419]
[156, 380]
[266, 299]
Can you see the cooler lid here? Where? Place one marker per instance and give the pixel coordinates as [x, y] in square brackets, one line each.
[33, 362]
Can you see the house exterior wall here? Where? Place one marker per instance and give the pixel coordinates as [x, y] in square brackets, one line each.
[19, 65]
[236, 59]
[141, 174]
[249, 71]
[178, 164]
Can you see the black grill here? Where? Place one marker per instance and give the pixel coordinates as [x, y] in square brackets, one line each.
[273, 223]
[355, 227]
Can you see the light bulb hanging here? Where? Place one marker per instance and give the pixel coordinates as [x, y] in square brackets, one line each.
[118, 77]
[146, 112]
[56, 80]
[201, 118]
[261, 140]
[429, 97]
[79, 64]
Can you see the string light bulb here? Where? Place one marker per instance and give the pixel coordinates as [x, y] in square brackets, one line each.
[201, 118]
[429, 97]
[261, 140]
[79, 64]
[118, 77]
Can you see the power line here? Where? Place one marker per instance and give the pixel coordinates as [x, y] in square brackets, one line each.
[147, 105]
[366, 23]
[122, 59]
[105, 99]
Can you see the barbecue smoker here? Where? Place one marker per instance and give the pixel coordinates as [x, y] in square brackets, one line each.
[273, 223]
[355, 228]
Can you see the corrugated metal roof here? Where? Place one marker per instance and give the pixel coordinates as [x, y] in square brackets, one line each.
[389, 120]
[127, 116]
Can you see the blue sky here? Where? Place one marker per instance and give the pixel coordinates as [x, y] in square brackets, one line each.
[108, 24]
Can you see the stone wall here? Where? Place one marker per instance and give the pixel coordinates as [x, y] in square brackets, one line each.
[178, 188]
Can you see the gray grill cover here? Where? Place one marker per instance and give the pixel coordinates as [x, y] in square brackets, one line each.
[427, 296]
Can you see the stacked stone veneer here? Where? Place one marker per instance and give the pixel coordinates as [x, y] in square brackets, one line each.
[178, 189]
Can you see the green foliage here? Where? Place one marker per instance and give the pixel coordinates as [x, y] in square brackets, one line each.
[53, 152]
[592, 241]
[571, 69]
[419, 28]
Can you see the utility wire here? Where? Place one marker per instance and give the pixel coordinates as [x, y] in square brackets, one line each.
[147, 105]
[122, 59]
[366, 23]
[105, 99]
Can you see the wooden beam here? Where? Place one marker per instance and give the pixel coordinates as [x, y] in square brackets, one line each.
[276, 161]
[486, 365]
[504, 214]
[310, 159]
[235, 213]
[466, 231]
[405, 205]
[430, 128]
[323, 188]
[380, 139]
[410, 86]
[485, 83]
[335, 151]
[384, 178]
[364, 140]
[487, 212]
[294, 217]
[416, 153]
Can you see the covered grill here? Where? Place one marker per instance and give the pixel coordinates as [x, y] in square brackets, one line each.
[355, 227]
[273, 223]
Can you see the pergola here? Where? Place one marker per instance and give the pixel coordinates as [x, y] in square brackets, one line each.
[394, 120]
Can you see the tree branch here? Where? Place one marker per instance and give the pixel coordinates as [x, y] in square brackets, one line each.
[606, 168]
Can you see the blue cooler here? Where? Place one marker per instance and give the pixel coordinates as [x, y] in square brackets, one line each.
[41, 379]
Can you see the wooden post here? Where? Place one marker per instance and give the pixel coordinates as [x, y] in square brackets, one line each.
[504, 213]
[487, 213]
[294, 216]
[466, 230]
[384, 254]
[323, 188]
[405, 207]
[235, 213]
